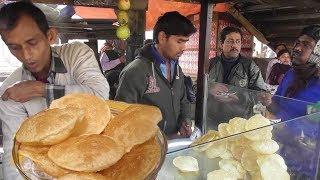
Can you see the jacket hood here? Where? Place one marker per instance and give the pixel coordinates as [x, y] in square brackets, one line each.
[146, 52]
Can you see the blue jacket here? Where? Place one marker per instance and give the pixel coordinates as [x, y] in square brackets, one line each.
[300, 138]
[295, 108]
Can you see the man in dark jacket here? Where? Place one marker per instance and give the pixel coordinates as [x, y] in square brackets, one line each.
[230, 68]
[155, 78]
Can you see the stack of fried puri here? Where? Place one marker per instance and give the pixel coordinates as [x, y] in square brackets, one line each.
[77, 139]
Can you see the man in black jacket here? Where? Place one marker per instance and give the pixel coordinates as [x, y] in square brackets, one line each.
[230, 74]
[155, 78]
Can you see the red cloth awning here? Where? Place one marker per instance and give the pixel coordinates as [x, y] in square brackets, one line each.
[95, 12]
[156, 8]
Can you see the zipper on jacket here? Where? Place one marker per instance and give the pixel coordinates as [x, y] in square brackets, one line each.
[173, 108]
[171, 89]
[164, 126]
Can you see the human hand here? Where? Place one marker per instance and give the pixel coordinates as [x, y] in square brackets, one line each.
[185, 129]
[218, 89]
[222, 94]
[227, 98]
[24, 91]
[265, 98]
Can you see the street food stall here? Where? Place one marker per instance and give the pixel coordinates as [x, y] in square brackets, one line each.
[251, 142]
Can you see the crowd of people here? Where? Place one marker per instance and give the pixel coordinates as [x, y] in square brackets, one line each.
[154, 77]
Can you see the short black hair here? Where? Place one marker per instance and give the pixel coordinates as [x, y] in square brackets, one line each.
[312, 31]
[173, 23]
[282, 52]
[11, 13]
[228, 30]
[280, 44]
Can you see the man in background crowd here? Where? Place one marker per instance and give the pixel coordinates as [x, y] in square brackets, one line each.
[273, 55]
[111, 59]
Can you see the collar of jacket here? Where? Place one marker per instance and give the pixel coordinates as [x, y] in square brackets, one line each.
[224, 58]
[240, 58]
[159, 59]
[58, 65]
[149, 51]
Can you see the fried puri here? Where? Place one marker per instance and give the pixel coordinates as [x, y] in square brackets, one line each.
[39, 155]
[86, 153]
[135, 125]
[97, 112]
[137, 163]
[50, 126]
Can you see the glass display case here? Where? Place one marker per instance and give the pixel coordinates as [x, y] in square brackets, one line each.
[248, 135]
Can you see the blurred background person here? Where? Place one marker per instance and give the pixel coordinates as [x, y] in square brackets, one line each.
[112, 62]
[278, 70]
[273, 55]
[111, 59]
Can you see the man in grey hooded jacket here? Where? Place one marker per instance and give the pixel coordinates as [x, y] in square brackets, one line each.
[155, 78]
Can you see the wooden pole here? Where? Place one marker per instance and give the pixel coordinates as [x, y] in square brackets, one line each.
[246, 24]
[137, 25]
[204, 48]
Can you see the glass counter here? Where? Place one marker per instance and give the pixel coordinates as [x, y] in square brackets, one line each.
[220, 107]
[249, 135]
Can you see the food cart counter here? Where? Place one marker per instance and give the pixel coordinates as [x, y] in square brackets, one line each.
[246, 140]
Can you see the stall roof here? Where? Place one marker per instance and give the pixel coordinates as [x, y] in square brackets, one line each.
[279, 21]
[155, 9]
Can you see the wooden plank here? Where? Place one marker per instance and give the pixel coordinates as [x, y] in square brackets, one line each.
[135, 4]
[90, 35]
[301, 22]
[54, 1]
[84, 26]
[137, 25]
[246, 24]
[270, 7]
[201, 1]
[296, 16]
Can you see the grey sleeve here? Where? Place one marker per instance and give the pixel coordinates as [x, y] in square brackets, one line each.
[185, 107]
[256, 81]
[132, 85]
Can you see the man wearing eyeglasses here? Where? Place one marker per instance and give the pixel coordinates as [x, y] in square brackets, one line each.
[230, 68]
